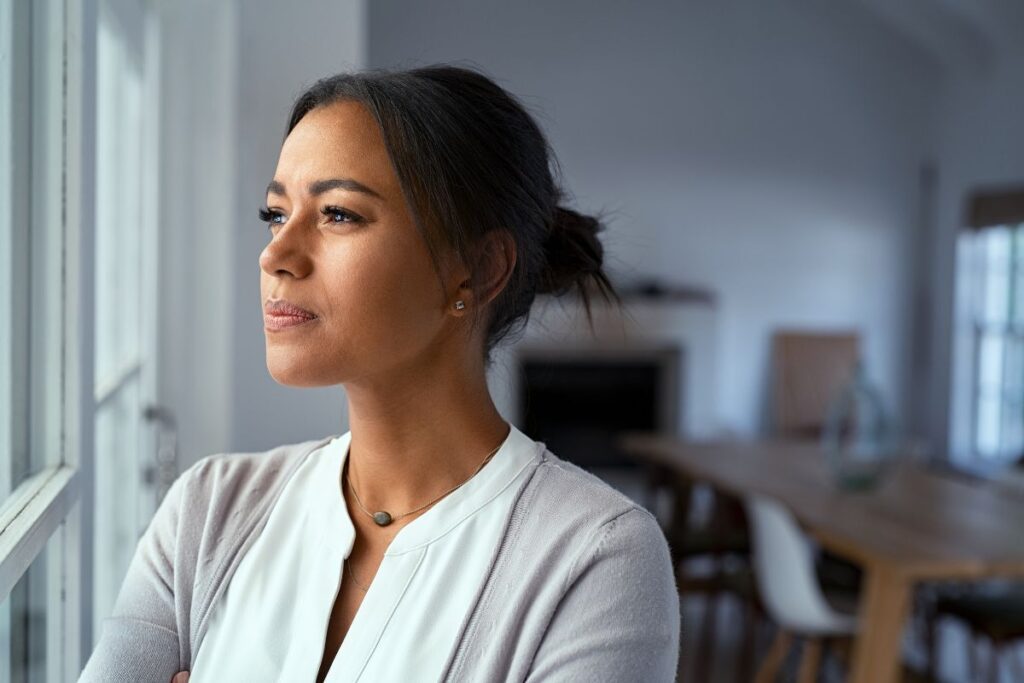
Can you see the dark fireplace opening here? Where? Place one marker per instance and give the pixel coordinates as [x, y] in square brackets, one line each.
[578, 402]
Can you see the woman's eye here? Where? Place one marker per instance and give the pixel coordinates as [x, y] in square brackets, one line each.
[334, 214]
[271, 217]
[339, 215]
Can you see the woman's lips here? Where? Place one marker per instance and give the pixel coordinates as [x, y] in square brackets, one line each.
[281, 314]
[275, 322]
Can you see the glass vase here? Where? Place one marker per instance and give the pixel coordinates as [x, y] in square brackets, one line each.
[858, 434]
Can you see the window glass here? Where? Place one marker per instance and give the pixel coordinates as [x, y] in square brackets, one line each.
[15, 159]
[23, 621]
[125, 442]
[997, 318]
[31, 239]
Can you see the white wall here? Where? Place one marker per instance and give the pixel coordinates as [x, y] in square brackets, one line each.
[198, 115]
[767, 150]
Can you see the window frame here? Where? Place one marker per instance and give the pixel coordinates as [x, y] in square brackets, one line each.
[54, 502]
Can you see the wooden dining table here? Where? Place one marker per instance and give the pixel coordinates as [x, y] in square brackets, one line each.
[918, 524]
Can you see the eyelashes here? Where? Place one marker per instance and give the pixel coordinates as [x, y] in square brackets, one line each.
[268, 216]
[274, 217]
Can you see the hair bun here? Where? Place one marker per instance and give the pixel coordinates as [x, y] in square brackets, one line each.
[573, 251]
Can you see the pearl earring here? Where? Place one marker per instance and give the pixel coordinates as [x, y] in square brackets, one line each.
[459, 305]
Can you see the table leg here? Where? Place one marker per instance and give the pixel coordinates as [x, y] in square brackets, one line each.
[877, 651]
[810, 661]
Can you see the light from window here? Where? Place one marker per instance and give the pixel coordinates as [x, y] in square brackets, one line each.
[995, 261]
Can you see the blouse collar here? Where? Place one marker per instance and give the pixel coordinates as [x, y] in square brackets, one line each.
[515, 453]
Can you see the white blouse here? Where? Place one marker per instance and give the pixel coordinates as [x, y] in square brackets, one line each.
[271, 621]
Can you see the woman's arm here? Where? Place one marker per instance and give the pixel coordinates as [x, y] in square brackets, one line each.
[139, 641]
[619, 618]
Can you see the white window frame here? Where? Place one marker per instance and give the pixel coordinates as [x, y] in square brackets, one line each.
[55, 502]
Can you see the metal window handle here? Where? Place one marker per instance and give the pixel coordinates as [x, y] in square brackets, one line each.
[161, 414]
[162, 472]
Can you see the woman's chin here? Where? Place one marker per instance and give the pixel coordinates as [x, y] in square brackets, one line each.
[293, 372]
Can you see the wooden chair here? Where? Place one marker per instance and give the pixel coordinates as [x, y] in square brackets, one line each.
[808, 371]
[724, 543]
[995, 612]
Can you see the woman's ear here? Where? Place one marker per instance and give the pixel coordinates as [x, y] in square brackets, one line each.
[496, 261]
[459, 292]
[493, 260]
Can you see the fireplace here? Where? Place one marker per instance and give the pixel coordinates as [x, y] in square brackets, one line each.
[578, 400]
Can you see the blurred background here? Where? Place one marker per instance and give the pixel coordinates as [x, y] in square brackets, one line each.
[815, 217]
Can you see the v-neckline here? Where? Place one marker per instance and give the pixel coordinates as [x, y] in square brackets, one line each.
[407, 549]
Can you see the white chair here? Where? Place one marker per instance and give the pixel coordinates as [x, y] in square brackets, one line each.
[784, 571]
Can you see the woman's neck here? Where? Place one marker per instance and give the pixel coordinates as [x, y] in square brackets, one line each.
[411, 444]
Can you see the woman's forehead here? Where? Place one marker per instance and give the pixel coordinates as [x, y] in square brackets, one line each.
[339, 140]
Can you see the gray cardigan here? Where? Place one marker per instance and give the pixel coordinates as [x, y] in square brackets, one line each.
[580, 588]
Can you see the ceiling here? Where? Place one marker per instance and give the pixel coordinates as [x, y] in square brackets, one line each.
[957, 33]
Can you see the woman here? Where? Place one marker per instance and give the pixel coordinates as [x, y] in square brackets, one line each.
[413, 218]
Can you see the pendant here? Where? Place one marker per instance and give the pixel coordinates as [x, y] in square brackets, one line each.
[382, 518]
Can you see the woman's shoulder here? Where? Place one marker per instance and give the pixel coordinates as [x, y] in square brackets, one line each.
[567, 491]
[233, 473]
[582, 586]
[225, 495]
[565, 513]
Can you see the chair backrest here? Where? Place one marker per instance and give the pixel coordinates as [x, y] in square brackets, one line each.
[808, 371]
[784, 571]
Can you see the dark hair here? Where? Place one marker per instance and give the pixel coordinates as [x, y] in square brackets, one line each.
[470, 160]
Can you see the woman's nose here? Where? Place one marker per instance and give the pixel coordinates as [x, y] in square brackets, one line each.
[288, 251]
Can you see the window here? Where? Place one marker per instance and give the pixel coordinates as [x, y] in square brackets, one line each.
[987, 424]
[988, 382]
[84, 454]
[44, 462]
[996, 274]
[124, 385]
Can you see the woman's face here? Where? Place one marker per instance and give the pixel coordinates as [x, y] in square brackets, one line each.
[343, 245]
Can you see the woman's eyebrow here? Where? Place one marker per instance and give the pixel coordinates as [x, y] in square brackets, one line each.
[320, 186]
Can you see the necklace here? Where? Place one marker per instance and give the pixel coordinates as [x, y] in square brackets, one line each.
[350, 573]
[383, 518]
